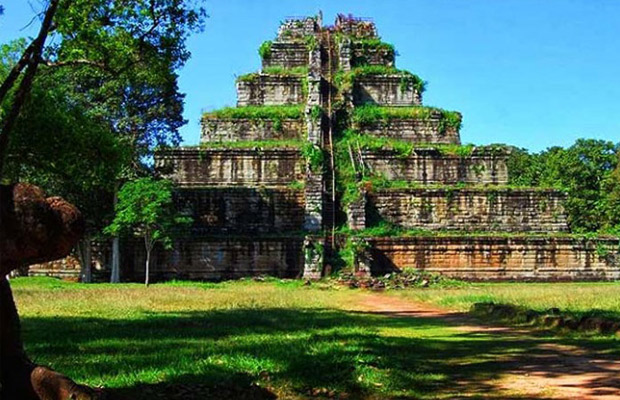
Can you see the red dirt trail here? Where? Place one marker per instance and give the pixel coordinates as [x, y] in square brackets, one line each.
[549, 371]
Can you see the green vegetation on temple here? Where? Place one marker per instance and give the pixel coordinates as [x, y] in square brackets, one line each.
[374, 182]
[312, 153]
[369, 45]
[276, 71]
[266, 48]
[255, 144]
[373, 44]
[370, 114]
[315, 156]
[351, 177]
[257, 112]
[404, 149]
[344, 80]
[384, 229]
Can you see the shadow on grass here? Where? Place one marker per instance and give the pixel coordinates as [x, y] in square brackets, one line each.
[262, 353]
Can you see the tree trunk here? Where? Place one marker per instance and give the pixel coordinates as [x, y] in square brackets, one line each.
[148, 262]
[21, 378]
[115, 276]
[33, 229]
[23, 90]
[86, 259]
[148, 245]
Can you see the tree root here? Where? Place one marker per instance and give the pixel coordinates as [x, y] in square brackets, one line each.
[33, 228]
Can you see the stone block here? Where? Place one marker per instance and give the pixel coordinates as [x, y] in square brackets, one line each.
[287, 55]
[242, 210]
[298, 28]
[429, 166]
[494, 258]
[270, 90]
[431, 130]
[220, 258]
[196, 167]
[507, 210]
[385, 90]
[237, 129]
[362, 56]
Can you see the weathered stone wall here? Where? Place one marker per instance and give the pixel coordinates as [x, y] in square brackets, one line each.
[413, 130]
[384, 90]
[429, 166]
[345, 54]
[242, 210]
[189, 167]
[363, 56]
[298, 28]
[65, 268]
[287, 55]
[233, 130]
[270, 90]
[313, 219]
[217, 258]
[470, 209]
[500, 258]
[356, 212]
[314, 253]
[355, 27]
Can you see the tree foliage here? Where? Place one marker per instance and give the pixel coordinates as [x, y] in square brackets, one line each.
[611, 205]
[59, 147]
[587, 171]
[101, 94]
[123, 56]
[146, 210]
[118, 59]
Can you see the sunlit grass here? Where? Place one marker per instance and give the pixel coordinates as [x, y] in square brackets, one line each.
[287, 339]
[571, 297]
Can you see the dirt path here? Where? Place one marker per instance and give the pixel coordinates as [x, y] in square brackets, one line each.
[550, 370]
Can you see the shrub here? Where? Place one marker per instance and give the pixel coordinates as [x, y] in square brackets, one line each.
[265, 49]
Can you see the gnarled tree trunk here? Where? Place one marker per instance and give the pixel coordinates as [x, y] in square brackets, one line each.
[33, 229]
[85, 253]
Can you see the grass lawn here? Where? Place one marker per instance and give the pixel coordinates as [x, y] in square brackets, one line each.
[249, 339]
[600, 298]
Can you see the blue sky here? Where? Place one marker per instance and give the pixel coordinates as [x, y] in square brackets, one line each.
[533, 73]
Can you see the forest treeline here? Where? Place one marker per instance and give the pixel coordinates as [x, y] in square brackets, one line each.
[588, 171]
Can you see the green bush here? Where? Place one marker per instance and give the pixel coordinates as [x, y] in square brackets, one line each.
[314, 155]
[254, 144]
[585, 171]
[258, 112]
[265, 49]
[369, 114]
[345, 80]
[374, 44]
[281, 71]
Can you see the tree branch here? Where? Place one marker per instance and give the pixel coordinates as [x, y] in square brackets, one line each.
[15, 71]
[81, 61]
[26, 83]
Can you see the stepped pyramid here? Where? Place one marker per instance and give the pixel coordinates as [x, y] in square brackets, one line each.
[330, 150]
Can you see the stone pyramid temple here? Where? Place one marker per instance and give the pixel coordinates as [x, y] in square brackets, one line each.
[330, 161]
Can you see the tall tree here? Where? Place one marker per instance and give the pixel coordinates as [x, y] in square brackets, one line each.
[59, 147]
[583, 170]
[612, 199]
[117, 60]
